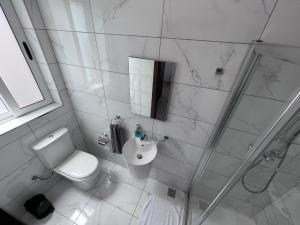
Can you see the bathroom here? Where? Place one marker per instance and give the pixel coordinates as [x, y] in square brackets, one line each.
[222, 144]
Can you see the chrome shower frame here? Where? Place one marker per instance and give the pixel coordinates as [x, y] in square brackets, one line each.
[287, 115]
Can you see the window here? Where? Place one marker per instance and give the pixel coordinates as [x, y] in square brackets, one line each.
[22, 88]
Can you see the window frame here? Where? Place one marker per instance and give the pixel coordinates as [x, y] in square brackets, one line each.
[20, 37]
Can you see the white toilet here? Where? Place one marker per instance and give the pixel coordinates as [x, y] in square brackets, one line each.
[57, 152]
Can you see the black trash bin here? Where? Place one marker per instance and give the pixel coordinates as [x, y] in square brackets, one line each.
[39, 206]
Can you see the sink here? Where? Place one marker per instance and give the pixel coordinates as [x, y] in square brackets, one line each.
[139, 155]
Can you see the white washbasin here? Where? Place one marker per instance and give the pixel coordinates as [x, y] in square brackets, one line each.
[139, 155]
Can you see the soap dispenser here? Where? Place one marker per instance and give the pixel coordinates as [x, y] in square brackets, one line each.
[139, 132]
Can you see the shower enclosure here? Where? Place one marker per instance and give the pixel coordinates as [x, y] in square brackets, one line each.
[250, 173]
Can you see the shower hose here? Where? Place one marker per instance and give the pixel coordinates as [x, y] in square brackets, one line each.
[282, 158]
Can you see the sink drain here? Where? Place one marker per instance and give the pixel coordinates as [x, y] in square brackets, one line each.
[139, 156]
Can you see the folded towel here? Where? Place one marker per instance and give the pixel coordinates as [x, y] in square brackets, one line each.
[117, 139]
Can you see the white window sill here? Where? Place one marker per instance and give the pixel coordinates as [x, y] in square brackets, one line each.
[17, 122]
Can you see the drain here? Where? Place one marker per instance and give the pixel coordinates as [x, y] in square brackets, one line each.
[139, 156]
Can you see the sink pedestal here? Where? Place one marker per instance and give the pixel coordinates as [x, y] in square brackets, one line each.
[139, 172]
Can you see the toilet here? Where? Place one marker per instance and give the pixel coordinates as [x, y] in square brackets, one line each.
[57, 152]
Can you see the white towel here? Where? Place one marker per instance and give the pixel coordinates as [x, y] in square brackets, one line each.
[161, 211]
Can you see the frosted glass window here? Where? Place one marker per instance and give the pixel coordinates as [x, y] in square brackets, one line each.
[14, 70]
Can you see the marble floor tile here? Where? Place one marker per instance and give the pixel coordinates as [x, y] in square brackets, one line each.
[52, 219]
[122, 175]
[99, 212]
[121, 195]
[68, 200]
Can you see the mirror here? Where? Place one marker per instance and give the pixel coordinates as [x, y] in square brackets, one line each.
[150, 84]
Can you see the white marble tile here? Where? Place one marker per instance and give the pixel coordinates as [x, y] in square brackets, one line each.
[112, 59]
[13, 135]
[187, 130]
[116, 86]
[91, 122]
[236, 21]
[67, 120]
[121, 195]
[254, 114]
[105, 165]
[223, 164]
[75, 48]
[170, 179]
[282, 27]
[187, 153]
[121, 174]
[275, 79]
[66, 15]
[20, 180]
[236, 143]
[53, 219]
[15, 154]
[88, 103]
[204, 193]
[211, 180]
[278, 214]
[291, 202]
[137, 17]
[99, 212]
[173, 166]
[197, 61]
[68, 200]
[197, 103]
[82, 79]
[261, 219]
[52, 76]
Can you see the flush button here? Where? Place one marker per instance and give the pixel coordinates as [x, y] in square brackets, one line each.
[51, 136]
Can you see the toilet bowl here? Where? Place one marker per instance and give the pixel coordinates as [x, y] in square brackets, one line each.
[57, 153]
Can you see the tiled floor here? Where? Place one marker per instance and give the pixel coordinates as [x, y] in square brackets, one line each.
[117, 199]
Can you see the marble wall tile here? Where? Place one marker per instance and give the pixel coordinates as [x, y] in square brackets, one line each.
[174, 166]
[223, 164]
[75, 48]
[66, 15]
[169, 179]
[20, 180]
[197, 61]
[235, 143]
[137, 17]
[88, 103]
[52, 75]
[82, 79]
[282, 27]
[275, 79]
[197, 103]
[211, 180]
[67, 120]
[186, 130]
[116, 86]
[13, 135]
[236, 21]
[112, 59]
[187, 153]
[15, 154]
[91, 122]
[254, 114]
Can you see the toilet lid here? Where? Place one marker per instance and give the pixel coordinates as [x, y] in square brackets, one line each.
[78, 166]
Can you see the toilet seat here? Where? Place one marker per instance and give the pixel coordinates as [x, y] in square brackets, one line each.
[80, 165]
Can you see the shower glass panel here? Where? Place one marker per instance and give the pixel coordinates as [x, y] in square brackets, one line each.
[259, 197]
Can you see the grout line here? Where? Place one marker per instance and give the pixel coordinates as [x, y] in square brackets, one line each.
[269, 17]
[144, 36]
